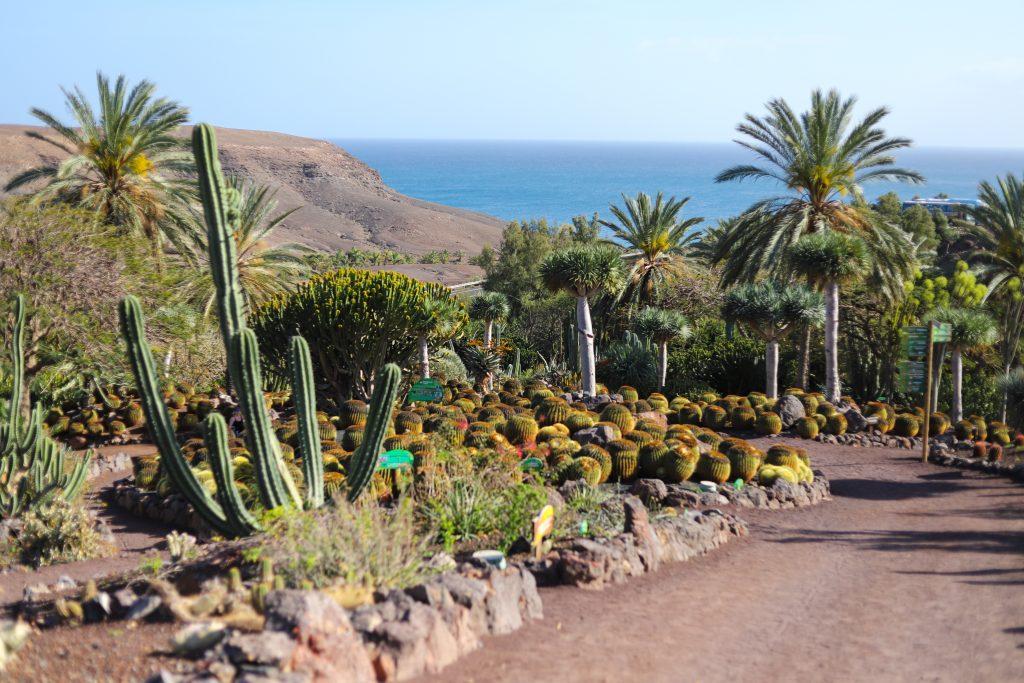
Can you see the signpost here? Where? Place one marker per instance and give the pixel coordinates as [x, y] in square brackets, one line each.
[531, 464]
[916, 375]
[392, 460]
[428, 389]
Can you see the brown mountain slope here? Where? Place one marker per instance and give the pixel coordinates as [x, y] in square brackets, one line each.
[344, 202]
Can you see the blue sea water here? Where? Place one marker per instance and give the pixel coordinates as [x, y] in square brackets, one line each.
[557, 180]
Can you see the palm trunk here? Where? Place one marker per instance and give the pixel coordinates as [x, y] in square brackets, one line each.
[488, 331]
[832, 386]
[956, 371]
[1006, 392]
[424, 358]
[771, 369]
[662, 364]
[586, 346]
[805, 359]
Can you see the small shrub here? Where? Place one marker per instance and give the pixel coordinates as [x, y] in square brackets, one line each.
[362, 545]
[60, 532]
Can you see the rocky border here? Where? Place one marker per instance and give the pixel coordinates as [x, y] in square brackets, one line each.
[942, 455]
[116, 462]
[643, 546]
[870, 440]
[172, 509]
[781, 495]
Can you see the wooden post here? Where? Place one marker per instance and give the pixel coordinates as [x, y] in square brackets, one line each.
[927, 394]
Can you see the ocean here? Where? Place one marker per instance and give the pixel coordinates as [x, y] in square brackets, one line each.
[558, 180]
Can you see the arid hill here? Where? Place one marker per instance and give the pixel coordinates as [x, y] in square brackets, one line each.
[344, 202]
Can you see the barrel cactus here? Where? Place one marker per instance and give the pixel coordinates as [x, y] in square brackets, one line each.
[628, 393]
[599, 454]
[408, 422]
[590, 469]
[521, 430]
[744, 461]
[714, 467]
[768, 423]
[679, 464]
[938, 424]
[743, 418]
[907, 424]
[651, 456]
[783, 456]
[806, 427]
[964, 430]
[625, 457]
[769, 474]
[552, 411]
[836, 424]
[689, 414]
[715, 417]
[620, 415]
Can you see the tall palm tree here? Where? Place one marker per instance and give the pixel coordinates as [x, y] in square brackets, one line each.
[447, 317]
[821, 157]
[772, 310]
[489, 307]
[661, 326]
[998, 228]
[264, 271]
[828, 260]
[582, 271]
[656, 237]
[123, 163]
[970, 329]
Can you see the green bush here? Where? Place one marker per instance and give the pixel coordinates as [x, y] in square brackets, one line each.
[355, 321]
[709, 359]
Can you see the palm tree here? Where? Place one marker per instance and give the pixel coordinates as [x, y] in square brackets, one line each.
[584, 270]
[447, 316]
[655, 236]
[490, 307]
[828, 260]
[264, 271]
[970, 330]
[772, 310]
[821, 157]
[998, 228]
[661, 326]
[123, 163]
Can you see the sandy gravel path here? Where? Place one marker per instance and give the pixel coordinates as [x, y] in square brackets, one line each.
[912, 573]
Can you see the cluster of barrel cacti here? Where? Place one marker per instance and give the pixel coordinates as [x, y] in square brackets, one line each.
[34, 469]
[107, 415]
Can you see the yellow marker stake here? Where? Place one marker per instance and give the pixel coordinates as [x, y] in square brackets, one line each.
[927, 394]
[543, 523]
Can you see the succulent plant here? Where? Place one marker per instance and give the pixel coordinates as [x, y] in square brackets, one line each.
[782, 455]
[744, 460]
[689, 414]
[768, 474]
[743, 418]
[620, 415]
[836, 424]
[906, 424]
[938, 423]
[768, 423]
[714, 467]
[806, 427]
[715, 417]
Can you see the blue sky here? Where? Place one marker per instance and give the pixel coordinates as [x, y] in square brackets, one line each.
[953, 73]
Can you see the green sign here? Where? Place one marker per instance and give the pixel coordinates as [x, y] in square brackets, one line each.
[392, 460]
[919, 332]
[428, 389]
[915, 348]
[912, 375]
[943, 332]
[531, 464]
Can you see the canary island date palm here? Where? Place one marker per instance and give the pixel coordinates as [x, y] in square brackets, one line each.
[829, 260]
[661, 326]
[656, 238]
[772, 310]
[264, 271]
[970, 329]
[821, 158]
[997, 225]
[583, 271]
[122, 161]
[447, 317]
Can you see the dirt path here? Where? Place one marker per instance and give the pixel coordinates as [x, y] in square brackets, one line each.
[136, 538]
[912, 572]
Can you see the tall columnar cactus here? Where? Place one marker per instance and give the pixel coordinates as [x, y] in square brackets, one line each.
[33, 467]
[227, 514]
